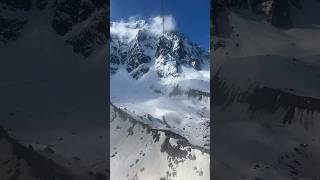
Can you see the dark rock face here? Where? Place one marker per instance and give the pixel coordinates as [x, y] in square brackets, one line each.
[13, 5]
[93, 14]
[136, 57]
[268, 100]
[10, 29]
[180, 52]
[176, 47]
[69, 13]
[271, 100]
[140, 71]
[163, 47]
[118, 56]
[114, 59]
[92, 36]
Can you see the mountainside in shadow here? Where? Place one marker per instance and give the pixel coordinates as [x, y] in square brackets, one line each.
[266, 90]
[53, 83]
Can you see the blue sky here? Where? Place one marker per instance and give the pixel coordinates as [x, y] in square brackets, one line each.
[192, 16]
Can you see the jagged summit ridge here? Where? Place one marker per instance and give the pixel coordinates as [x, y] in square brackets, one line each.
[139, 46]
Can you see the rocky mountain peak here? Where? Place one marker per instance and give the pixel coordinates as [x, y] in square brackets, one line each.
[139, 47]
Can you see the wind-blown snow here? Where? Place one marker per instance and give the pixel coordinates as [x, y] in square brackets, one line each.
[126, 30]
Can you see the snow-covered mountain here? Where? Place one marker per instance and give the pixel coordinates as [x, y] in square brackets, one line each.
[161, 81]
[266, 92]
[163, 75]
[53, 83]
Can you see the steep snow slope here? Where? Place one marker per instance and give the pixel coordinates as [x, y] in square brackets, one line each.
[165, 76]
[141, 152]
[266, 97]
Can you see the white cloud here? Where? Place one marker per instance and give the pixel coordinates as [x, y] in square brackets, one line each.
[127, 30]
[156, 24]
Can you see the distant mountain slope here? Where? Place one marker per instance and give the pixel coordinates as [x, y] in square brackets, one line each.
[266, 93]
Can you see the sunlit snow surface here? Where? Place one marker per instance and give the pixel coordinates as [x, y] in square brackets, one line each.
[185, 115]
